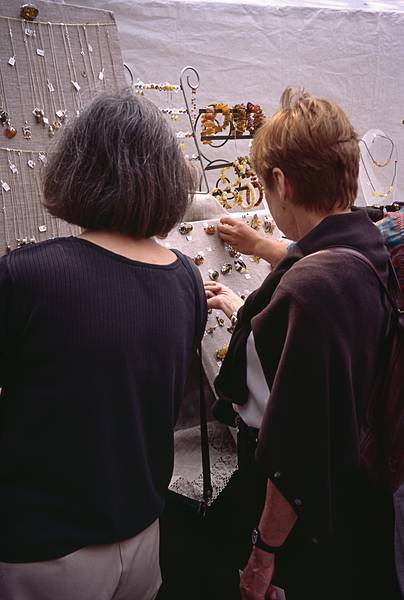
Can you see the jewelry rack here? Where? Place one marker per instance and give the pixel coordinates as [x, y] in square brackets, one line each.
[189, 83]
[51, 66]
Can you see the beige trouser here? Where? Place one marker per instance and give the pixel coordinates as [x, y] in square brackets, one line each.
[127, 570]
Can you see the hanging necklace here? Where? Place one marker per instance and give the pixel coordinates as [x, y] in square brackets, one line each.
[390, 188]
[374, 161]
[24, 205]
[53, 124]
[39, 110]
[61, 111]
[16, 224]
[72, 70]
[111, 57]
[84, 73]
[6, 232]
[5, 120]
[90, 52]
[101, 74]
[41, 219]
[26, 129]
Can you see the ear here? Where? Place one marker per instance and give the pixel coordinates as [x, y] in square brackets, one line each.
[283, 186]
[280, 183]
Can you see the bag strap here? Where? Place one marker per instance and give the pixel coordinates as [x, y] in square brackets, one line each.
[206, 474]
[394, 296]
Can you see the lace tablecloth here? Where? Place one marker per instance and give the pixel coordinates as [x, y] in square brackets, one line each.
[187, 477]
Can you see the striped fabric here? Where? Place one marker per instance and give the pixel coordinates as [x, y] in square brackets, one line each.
[392, 230]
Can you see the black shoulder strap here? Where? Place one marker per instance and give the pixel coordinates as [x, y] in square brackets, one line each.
[207, 482]
[394, 296]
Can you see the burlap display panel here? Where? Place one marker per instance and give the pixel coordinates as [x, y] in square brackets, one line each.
[56, 64]
[215, 256]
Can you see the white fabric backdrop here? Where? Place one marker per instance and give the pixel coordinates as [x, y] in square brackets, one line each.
[351, 51]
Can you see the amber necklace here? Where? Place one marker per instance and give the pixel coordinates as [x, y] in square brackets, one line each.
[390, 188]
[372, 158]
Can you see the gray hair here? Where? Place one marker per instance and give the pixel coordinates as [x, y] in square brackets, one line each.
[118, 167]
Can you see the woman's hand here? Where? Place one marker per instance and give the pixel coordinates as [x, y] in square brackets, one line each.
[246, 240]
[255, 580]
[222, 297]
[239, 235]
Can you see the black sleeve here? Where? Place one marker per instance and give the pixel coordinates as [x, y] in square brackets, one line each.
[294, 445]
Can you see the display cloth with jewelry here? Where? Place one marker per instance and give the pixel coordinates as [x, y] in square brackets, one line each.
[218, 262]
[53, 59]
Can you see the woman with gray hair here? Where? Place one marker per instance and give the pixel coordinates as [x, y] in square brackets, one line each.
[98, 333]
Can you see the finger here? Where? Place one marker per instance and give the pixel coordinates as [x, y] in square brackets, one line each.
[224, 228]
[212, 286]
[209, 294]
[214, 302]
[228, 220]
[228, 239]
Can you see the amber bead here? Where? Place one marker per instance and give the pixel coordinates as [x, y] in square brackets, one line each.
[10, 132]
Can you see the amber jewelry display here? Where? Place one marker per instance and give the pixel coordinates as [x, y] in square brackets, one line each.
[210, 121]
[239, 119]
[231, 193]
[255, 117]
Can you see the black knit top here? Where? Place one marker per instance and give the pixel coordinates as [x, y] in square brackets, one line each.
[95, 350]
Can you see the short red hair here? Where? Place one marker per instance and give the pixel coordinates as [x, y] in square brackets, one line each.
[313, 142]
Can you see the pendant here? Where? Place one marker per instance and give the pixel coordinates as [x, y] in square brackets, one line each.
[10, 132]
[42, 228]
[240, 265]
[209, 229]
[226, 269]
[255, 223]
[199, 259]
[38, 114]
[26, 132]
[61, 114]
[221, 353]
[185, 228]
[213, 274]
[11, 61]
[3, 116]
[29, 12]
